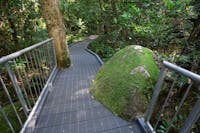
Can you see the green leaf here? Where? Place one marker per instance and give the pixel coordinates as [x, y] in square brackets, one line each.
[115, 20]
[135, 10]
[169, 4]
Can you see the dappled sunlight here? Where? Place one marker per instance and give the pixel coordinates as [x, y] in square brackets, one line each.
[83, 91]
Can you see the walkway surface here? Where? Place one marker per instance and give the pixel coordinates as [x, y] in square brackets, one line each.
[70, 108]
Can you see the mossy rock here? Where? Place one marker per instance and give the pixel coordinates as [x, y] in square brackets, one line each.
[125, 83]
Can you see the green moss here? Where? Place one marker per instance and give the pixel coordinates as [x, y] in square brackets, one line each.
[123, 93]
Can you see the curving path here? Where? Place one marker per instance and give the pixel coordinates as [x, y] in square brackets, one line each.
[69, 107]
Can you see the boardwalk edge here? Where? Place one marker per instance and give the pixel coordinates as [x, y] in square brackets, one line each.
[96, 55]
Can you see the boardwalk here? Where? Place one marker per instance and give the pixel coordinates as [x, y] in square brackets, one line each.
[69, 107]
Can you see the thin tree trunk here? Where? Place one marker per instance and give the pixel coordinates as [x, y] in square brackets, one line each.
[101, 24]
[11, 22]
[56, 30]
[195, 34]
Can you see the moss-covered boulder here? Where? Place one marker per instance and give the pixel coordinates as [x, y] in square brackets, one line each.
[124, 84]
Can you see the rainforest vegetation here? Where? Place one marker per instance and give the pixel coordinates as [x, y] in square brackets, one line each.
[170, 28]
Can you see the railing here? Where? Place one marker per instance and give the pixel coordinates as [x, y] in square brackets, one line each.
[162, 115]
[25, 76]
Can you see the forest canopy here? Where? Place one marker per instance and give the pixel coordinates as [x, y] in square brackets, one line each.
[170, 27]
[21, 25]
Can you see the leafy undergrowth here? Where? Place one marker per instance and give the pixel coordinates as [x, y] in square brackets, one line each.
[4, 128]
[101, 47]
[71, 38]
[121, 90]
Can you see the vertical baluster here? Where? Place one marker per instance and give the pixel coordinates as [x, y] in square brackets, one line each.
[37, 68]
[155, 94]
[43, 63]
[192, 118]
[10, 100]
[27, 81]
[23, 88]
[46, 61]
[7, 120]
[179, 106]
[49, 56]
[34, 69]
[54, 53]
[46, 58]
[34, 86]
[17, 89]
[165, 103]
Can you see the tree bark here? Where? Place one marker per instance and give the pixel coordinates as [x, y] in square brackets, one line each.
[14, 33]
[6, 11]
[195, 34]
[56, 30]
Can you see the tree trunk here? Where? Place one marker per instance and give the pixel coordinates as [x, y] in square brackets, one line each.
[195, 34]
[6, 11]
[56, 30]
[14, 34]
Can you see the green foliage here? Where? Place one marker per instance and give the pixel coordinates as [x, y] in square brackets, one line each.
[71, 38]
[169, 4]
[21, 25]
[154, 24]
[104, 50]
[163, 128]
[168, 26]
[12, 118]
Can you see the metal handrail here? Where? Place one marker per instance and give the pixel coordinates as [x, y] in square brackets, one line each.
[23, 51]
[194, 114]
[30, 80]
[182, 71]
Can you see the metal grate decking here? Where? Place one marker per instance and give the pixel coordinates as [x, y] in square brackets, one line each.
[69, 107]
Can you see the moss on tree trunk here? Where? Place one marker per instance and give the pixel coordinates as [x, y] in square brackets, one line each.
[56, 30]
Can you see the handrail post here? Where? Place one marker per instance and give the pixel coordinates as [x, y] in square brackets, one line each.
[10, 99]
[194, 114]
[17, 89]
[155, 94]
[192, 118]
